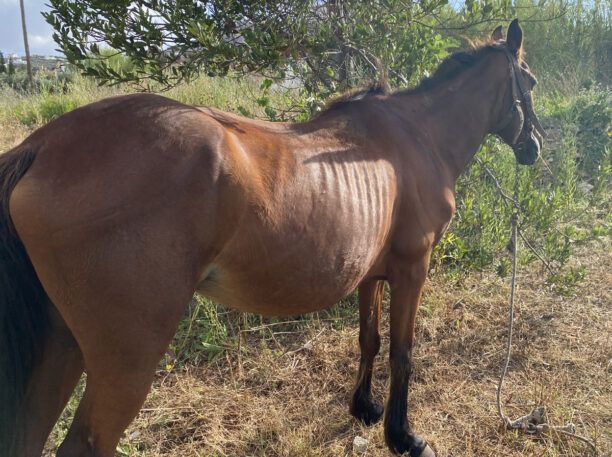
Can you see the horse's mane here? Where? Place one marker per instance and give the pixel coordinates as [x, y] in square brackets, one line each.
[354, 95]
[455, 64]
[450, 68]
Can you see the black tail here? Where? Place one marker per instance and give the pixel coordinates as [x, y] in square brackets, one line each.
[23, 305]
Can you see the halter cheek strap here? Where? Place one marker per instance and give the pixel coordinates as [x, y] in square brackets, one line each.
[520, 97]
[509, 117]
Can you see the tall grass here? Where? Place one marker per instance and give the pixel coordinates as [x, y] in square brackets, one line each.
[34, 110]
[242, 95]
[573, 51]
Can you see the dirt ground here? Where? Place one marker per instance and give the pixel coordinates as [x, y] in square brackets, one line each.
[285, 391]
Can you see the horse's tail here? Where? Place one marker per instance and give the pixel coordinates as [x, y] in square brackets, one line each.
[23, 306]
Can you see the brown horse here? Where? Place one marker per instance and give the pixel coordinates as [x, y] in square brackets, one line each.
[114, 214]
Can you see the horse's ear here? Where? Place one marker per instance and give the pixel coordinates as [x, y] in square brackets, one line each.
[497, 34]
[515, 37]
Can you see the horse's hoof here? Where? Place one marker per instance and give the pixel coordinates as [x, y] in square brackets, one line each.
[409, 444]
[416, 452]
[427, 452]
[368, 413]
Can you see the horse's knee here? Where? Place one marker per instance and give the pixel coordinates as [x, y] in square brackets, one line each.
[369, 344]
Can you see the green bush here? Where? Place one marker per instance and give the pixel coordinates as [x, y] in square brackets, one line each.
[46, 108]
[200, 336]
[44, 81]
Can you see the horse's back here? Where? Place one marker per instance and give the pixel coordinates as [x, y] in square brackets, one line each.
[131, 154]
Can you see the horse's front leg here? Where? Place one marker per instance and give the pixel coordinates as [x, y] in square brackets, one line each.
[406, 282]
[370, 301]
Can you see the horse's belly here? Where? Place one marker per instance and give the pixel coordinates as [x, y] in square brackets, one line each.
[296, 284]
[251, 298]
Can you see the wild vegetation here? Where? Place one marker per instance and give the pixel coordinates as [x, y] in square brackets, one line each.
[282, 384]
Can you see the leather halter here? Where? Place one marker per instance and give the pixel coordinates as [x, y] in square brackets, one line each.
[520, 96]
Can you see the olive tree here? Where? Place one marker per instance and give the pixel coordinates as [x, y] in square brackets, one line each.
[330, 43]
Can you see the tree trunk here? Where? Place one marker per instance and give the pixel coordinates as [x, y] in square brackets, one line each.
[27, 47]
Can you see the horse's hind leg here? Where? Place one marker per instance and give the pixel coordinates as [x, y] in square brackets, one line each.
[51, 384]
[110, 402]
[370, 302]
[123, 329]
[121, 356]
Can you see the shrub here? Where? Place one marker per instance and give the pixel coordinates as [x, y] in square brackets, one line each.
[46, 108]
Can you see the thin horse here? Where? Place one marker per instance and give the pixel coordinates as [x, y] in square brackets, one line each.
[114, 214]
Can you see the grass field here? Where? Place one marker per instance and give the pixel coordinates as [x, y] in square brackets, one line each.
[240, 385]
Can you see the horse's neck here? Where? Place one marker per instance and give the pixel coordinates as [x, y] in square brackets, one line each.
[458, 117]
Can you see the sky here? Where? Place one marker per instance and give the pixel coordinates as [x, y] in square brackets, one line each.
[39, 32]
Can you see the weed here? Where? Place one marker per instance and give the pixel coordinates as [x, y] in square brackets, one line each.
[201, 335]
[565, 283]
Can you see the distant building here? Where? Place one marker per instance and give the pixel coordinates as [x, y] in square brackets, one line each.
[38, 62]
[16, 59]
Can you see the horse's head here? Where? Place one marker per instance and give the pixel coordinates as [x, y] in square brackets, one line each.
[519, 126]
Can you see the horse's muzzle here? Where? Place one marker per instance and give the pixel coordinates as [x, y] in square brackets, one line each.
[529, 151]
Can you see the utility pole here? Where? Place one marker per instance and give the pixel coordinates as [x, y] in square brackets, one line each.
[25, 43]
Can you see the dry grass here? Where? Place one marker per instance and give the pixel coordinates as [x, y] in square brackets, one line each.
[13, 133]
[270, 400]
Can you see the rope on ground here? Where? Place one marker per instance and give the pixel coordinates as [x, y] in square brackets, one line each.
[533, 423]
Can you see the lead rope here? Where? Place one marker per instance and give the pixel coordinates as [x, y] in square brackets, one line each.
[533, 423]
[513, 250]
